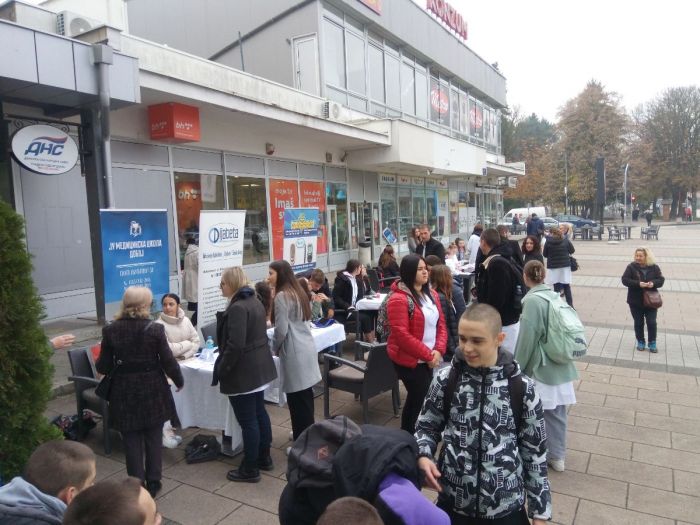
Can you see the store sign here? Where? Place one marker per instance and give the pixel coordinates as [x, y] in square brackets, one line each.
[45, 149]
[418, 181]
[387, 179]
[430, 183]
[404, 180]
[174, 122]
[374, 5]
[439, 100]
[449, 15]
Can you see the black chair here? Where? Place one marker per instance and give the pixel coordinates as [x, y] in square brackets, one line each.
[209, 330]
[364, 379]
[85, 380]
[379, 284]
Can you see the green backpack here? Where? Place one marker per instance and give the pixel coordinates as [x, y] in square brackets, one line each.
[565, 336]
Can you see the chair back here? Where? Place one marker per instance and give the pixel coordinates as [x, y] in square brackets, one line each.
[80, 362]
[380, 374]
[373, 277]
[209, 330]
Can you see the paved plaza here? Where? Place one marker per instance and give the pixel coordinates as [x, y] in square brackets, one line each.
[634, 436]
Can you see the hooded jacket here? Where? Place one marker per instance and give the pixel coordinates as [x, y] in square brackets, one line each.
[182, 336]
[405, 344]
[21, 503]
[486, 468]
[495, 284]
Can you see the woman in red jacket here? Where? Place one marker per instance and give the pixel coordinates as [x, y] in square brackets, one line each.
[418, 335]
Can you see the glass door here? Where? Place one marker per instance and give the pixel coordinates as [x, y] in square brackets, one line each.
[332, 212]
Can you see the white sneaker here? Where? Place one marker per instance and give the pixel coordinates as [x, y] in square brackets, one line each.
[170, 441]
[291, 435]
[178, 439]
[556, 464]
[289, 449]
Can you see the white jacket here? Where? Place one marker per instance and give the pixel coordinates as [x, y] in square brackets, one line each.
[190, 275]
[182, 336]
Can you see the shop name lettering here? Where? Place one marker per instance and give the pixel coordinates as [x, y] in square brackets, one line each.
[302, 223]
[136, 248]
[48, 145]
[449, 15]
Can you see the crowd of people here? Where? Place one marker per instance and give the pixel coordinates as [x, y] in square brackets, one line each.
[475, 376]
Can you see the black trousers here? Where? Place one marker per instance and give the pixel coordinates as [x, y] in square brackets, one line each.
[416, 381]
[255, 426]
[150, 441]
[640, 315]
[558, 287]
[301, 409]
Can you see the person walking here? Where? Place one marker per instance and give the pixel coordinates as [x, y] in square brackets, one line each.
[532, 250]
[418, 335]
[243, 370]
[136, 352]
[553, 379]
[558, 252]
[294, 344]
[640, 275]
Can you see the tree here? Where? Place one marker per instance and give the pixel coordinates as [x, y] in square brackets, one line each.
[668, 135]
[592, 125]
[25, 371]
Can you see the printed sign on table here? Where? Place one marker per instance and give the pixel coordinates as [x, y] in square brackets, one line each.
[220, 247]
[300, 236]
[134, 251]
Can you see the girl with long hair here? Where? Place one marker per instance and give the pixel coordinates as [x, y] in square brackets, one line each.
[451, 302]
[532, 249]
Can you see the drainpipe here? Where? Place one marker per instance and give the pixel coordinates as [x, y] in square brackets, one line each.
[102, 57]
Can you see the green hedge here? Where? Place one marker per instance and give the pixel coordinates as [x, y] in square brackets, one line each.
[25, 370]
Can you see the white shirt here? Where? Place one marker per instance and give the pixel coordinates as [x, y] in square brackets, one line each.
[473, 248]
[452, 263]
[353, 283]
[432, 316]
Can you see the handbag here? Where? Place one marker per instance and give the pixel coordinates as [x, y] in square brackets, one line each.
[652, 299]
[573, 262]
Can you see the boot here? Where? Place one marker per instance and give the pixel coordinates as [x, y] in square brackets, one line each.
[265, 461]
[244, 474]
[153, 487]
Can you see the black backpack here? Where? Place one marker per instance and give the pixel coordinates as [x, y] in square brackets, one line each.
[201, 449]
[519, 288]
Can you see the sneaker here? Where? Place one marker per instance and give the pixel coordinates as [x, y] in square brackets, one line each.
[289, 449]
[556, 464]
[640, 346]
[170, 441]
[652, 347]
[291, 435]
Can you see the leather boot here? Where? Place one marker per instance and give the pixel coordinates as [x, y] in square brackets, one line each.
[265, 461]
[244, 474]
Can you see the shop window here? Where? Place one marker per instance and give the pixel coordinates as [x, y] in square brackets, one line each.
[393, 88]
[439, 102]
[376, 73]
[476, 119]
[334, 54]
[337, 206]
[418, 206]
[454, 109]
[356, 63]
[311, 195]
[405, 215]
[454, 211]
[195, 192]
[389, 216]
[408, 89]
[463, 113]
[248, 193]
[422, 97]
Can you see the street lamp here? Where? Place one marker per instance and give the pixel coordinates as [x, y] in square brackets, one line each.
[625, 189]
[566, 184]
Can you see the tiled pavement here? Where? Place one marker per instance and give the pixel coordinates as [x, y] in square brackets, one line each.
[634, 435]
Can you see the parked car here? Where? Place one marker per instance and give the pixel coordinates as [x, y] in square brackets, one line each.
[578, 222]
[549, 222]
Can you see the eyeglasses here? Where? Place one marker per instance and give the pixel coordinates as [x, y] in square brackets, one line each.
[222, 284]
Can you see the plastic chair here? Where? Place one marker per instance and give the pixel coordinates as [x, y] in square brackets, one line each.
[85, 380]
[364, 379]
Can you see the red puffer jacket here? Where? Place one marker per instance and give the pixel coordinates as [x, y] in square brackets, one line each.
[405, 345]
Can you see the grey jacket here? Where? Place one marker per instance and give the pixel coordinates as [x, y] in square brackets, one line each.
[21, 503]
[295, 346]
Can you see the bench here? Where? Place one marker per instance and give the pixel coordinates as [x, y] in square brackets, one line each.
[652, 232]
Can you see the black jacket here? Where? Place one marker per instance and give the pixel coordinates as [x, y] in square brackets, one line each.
[557, 252]
[390, 270]
[453, 311]
[496, 285]
[532, 256]
[634, 274]
[245, 360]
[342, 292]
[432, 247]
[512, 248]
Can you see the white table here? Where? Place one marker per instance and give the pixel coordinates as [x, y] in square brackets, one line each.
[370, 303]
[199, 404]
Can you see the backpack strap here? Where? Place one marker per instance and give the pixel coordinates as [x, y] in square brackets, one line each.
[449, 393]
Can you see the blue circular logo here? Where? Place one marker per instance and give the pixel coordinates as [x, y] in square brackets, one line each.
[214, 235]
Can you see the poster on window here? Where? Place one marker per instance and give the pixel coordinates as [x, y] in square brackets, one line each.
[220, 247]
[476, 119]
[311, 195]
[283, 194]
[300, 238]
[463, 218]
[439, 103]
[134, 251]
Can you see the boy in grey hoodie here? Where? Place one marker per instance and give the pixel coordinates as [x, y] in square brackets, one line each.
[55, 473]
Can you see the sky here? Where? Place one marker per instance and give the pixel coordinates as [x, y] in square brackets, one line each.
[549, 50]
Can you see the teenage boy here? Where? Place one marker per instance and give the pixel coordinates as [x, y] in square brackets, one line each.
[495, 451]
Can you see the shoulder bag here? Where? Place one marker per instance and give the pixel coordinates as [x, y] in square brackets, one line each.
[651, 298]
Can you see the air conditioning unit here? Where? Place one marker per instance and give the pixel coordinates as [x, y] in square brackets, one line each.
[335, 111]
[72, 24]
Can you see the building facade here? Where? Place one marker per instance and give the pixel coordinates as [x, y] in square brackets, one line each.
[374, 112]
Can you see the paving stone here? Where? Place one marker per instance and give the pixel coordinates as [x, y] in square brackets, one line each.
[246, 515]
[666, 457]
[663, 376]
[599, 445]
[563, 508]
[590, 398]
[582, 424]
[264, 495]
[107, 467]
[685, 412]
[685, 442]
[686, 482]
[605, 414]
[613, 370]
[586, 486]
[208, 476]
[674, 424]
[592, 513]
[663, 503]
[631, 471]
[650, 436]
[192, 506]
[635, 382]
[671, 398]
[596, 377]
[577, 460]
[638, 405]
[684, 388]
[613, 390]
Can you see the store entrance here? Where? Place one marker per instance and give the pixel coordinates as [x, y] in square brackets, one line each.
[364, 225]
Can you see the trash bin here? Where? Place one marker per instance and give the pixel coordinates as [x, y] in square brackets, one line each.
[364, 254]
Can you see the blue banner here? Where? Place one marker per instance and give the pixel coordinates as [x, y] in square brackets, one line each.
[134, 251]
[300, 237]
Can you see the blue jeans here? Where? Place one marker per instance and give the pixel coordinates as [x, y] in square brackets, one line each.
[255, 424]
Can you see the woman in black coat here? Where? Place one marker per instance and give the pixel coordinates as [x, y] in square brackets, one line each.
[532, 250]
[349, 288]
[642, 274]
[452, 303]
[243, 370]
[136, 350]
[558, 250]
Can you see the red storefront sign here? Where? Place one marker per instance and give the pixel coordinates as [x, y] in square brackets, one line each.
[174, 122]
[311, 196]
[449, 15]
[439, 100]
[283, 194]
[374, 5]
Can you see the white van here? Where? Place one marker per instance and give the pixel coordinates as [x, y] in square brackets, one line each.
[523, 213]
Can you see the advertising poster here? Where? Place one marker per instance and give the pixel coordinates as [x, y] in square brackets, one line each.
[134, 251]
[283, 194]
[220, 247]
[311, 196]
[300, 236]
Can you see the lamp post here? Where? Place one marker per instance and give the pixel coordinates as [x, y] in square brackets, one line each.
[625, 189]
[566, 184]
